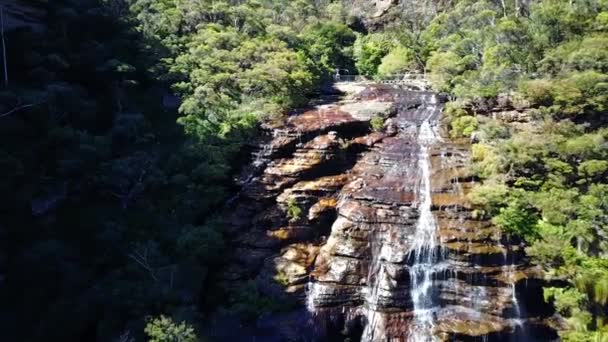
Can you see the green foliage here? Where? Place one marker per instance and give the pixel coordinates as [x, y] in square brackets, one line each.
[99, 182]
[593, 169]
[294, 212]
[555, 21]
[591, 286]
[163, 329]
[538, 92]
[204, 243]
[588, 53]
[491, 197]
[329, 45]
[464, 126]
[580, 93]
[486, 162]
[443, 68]
[377, 122]
[565, 300]
[247, 300]
[104, 179]
[454, 110]
[544, 181]
[475, 55]
[494, 129]
[593, 280]
[517, 218]
[281, 278]
[583, 146]
[369, 51]
[586, 336]
[398, 61]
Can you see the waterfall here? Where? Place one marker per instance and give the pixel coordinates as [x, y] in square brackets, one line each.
[518, 321]
[406, 257]
[310, 297]
[424, 245]
[261, 156]
[371, 297]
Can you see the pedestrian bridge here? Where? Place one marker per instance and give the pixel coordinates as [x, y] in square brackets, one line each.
[418, 81]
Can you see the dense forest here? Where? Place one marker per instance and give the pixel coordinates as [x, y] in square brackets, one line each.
[545, 183]
[108, 190]
[123, 122]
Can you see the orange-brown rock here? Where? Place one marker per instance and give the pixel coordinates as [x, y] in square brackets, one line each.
[329, 220]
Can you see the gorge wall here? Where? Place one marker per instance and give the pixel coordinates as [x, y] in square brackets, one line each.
[375, 14]
[369, 233]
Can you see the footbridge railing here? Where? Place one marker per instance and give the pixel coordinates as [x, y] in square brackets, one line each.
[412, 79]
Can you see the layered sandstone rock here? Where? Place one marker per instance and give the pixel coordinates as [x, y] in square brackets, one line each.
[348, 255]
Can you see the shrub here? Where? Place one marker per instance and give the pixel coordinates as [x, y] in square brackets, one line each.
[517, 218]
[564, 299]
[537, 91]
[249, 301]
[593, 168]
[369, 51]
[581, 92]
[377, 123]
[584, 146]
[494, 129]
[464, 126]
[486, 163]
[454, 110]
[163, 329]
[491, 197]
[281, 278]
[293, 210]
[443, 67]
[204, 243]
[399, 60]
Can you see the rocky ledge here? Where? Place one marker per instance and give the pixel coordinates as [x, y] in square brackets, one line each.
[326, 219]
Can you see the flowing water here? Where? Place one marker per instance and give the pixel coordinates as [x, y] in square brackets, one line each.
[406, 259]
[421, 126]
[425, 245]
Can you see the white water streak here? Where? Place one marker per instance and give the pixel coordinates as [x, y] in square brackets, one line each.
[425, 245]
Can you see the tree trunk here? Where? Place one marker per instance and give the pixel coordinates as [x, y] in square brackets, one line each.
[504, 8]
[3, 46]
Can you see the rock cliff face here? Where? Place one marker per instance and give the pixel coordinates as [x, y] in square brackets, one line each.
[375, 14]
[23, 14]
[370, 9]
[371, 234]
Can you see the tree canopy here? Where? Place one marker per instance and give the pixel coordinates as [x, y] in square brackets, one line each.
[121, 128]
[124, 121]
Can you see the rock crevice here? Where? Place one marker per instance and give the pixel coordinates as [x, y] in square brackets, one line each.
[332, 215]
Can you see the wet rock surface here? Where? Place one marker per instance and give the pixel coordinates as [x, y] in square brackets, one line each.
[328, 218]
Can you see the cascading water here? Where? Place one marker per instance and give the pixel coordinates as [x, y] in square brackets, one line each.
[373, 291]
[425, 245]
[407, 259]
[517, 320]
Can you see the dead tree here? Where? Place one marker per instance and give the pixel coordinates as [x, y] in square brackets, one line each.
[3, 46]
[142, 256]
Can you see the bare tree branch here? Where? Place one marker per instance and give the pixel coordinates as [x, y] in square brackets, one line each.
[18, 108]
[142, 259]
[3, 46]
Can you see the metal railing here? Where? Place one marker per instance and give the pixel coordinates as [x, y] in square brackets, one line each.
[395, 77]
[413, 79]
[350, 78]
